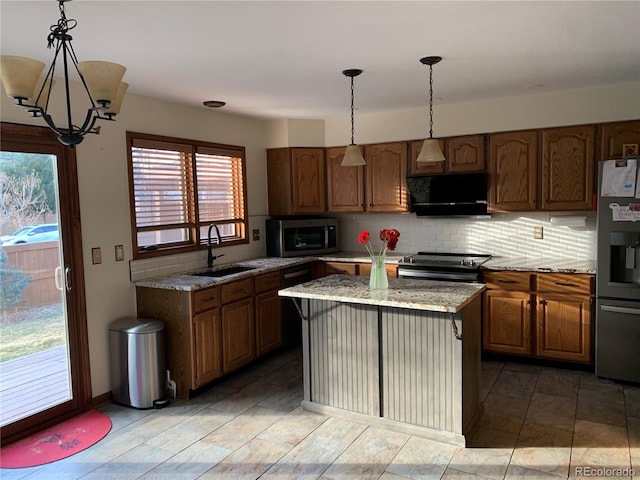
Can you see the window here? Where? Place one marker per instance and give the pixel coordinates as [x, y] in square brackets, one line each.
[178, 188]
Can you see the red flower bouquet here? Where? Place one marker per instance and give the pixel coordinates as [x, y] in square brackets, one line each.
[389, 238]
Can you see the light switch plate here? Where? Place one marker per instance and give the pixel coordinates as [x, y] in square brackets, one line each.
[119, 253]
[256, 234]
[537, 233]
[96, 256]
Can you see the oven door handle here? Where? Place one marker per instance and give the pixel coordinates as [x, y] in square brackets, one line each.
[611, 308]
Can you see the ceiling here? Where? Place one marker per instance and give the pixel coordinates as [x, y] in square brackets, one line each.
[284, 59]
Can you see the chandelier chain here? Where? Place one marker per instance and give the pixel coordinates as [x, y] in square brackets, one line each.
[352, 122]
[430, 101]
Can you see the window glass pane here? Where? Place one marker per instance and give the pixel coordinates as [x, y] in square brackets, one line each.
[163, 237]
[160, 187]
[220, 188]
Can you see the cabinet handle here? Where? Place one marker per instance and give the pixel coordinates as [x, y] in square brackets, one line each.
[208, 299]
[507, 281]
[562, 284]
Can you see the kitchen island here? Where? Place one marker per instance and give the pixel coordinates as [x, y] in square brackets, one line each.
[406, 358]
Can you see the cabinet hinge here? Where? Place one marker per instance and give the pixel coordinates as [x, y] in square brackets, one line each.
[193, 319]
[197, 381]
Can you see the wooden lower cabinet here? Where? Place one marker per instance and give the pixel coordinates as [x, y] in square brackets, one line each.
[238, 334]
[207, 346]
[563, 327]
[351, 268]
[344, 268]
[268, 320]
[506, 322]
[542, 315]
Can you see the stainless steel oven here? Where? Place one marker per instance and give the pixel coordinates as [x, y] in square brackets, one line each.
[292, 237]
[451, 267]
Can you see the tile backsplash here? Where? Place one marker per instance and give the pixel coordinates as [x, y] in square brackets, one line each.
[503, 235]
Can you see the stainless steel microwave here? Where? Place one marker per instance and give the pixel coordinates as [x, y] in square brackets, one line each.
[293, 237]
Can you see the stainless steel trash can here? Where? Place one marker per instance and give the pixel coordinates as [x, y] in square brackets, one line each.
[138, 369]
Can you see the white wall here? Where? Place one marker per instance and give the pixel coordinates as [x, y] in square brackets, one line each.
[104, 202]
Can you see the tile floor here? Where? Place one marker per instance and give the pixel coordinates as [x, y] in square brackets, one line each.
[539, 422]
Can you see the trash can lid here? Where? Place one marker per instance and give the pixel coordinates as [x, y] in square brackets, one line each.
[136, 325]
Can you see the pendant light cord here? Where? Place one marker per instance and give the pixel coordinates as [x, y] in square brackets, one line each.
[352, 123]
[430, 101]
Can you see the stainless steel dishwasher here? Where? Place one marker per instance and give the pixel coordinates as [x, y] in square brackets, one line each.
[291, 323]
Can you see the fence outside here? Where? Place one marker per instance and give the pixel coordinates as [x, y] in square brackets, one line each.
[39, 261]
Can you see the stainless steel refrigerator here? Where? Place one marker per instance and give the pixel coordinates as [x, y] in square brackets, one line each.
[617, 346]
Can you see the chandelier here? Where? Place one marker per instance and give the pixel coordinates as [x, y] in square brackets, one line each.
[430, 152]
[23, 82]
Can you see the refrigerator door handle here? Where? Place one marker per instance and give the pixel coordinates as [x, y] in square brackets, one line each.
[610, 308]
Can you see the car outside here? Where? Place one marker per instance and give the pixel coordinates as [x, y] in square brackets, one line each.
[45, 232]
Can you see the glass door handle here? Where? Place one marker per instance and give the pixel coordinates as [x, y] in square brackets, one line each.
[67, 277]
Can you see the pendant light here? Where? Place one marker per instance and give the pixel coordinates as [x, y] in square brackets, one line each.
[352, 155]
[101, 80]
[430, 152]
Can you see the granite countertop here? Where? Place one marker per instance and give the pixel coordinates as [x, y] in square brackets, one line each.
[188, 282]
[402, 293]
[545, 265]
[360, 257]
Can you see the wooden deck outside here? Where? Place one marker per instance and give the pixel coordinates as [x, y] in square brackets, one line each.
[33, 383]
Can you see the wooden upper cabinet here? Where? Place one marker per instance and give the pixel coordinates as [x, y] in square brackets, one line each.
[296, 181]
[513, 164]
[345, 185]
[619, 139]
[386, 177]
[465, 154]
[567, 168]
[416, 168]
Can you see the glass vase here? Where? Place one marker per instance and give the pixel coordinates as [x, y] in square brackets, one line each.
[378, 278]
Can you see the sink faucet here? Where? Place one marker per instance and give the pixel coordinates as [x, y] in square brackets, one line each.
[210, 256]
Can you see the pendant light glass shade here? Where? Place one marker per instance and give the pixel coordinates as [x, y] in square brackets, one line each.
[353, 157]
[103, 79]
[430, 152]
[114, 107]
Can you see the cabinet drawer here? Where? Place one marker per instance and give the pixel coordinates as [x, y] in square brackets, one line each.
[565, 283]
[344, 268]
[267, 281]
[507, 280]
[233, 291]
[205, 299]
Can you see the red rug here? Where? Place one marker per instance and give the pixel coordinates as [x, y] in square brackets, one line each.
[57, 442]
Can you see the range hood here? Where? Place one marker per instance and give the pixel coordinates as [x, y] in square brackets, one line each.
[449, 195]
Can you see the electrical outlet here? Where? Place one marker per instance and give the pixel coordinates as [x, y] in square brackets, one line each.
[96, 255]
[256, 234]
[537, 233]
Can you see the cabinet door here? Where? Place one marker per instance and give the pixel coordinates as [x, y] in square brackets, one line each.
[308, 180]
[345, 185]
[386, 177]
[513, 162]
[563, 327]
[238, 334]
[416, 168]
[567, 168]
[279, 181]
[207, 347]
[506, 322]
[364, 269]
[268, 323]
[620, 139]
[465, 154]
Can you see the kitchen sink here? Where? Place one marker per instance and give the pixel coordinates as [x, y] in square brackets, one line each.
[223, 272]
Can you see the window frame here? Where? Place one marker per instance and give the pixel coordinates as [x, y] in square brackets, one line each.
[196, 241]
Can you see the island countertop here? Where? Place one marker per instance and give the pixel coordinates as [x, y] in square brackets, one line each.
[429, 295]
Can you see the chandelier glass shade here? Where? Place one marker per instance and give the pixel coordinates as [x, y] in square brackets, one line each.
[352, 155]
[430, 151]
[102, 81]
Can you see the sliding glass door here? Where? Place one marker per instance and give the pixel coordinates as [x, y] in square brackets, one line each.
[44, 373]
